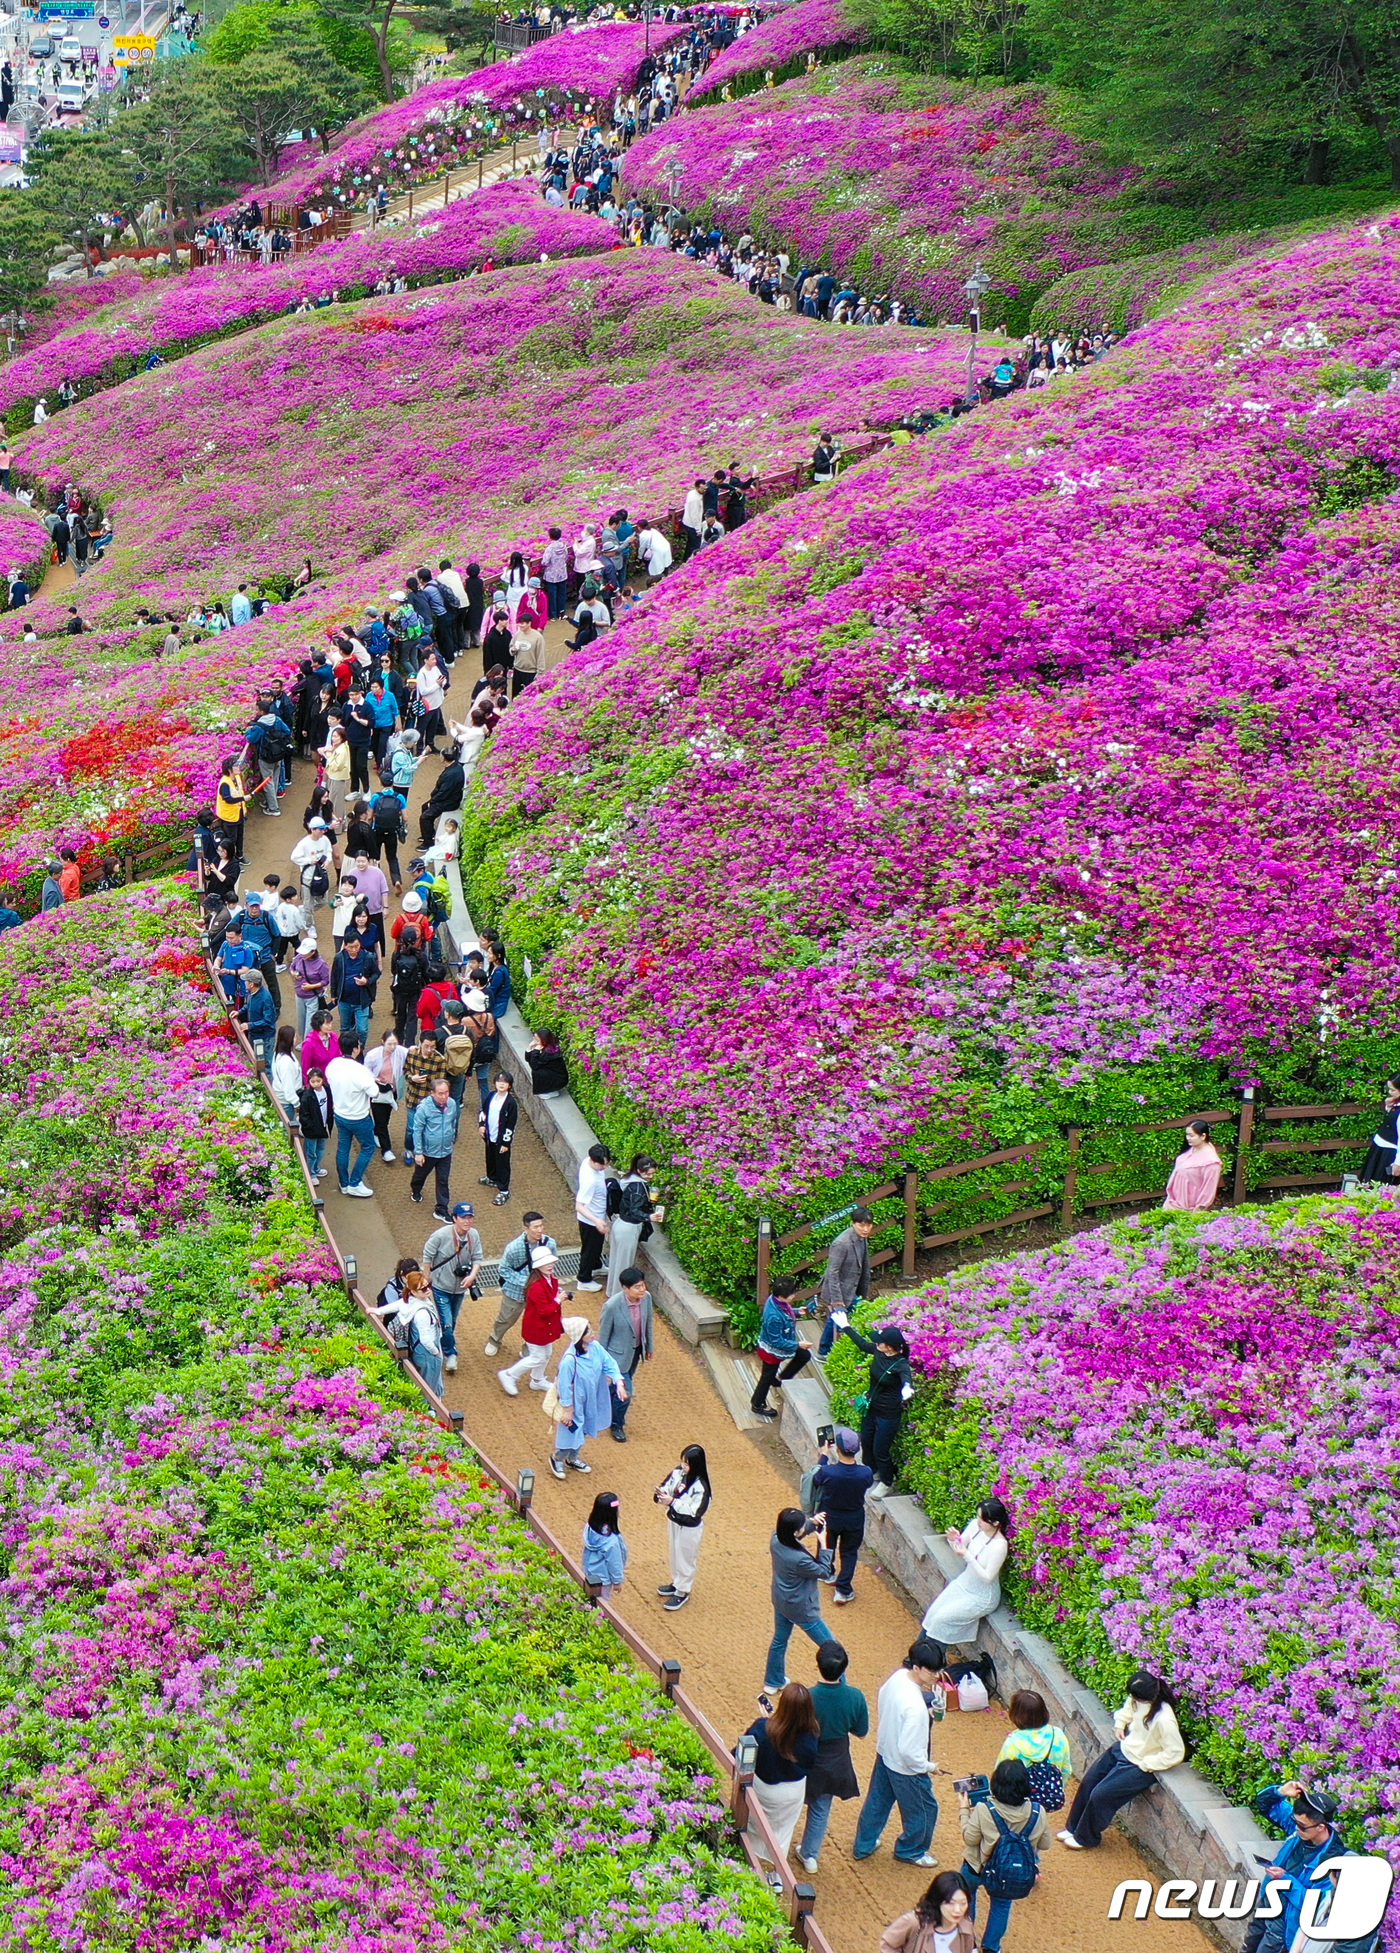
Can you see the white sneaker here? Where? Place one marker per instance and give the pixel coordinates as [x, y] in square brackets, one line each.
[362, 1192]
[588, 1288]
[507, 1383]
[879, 1490]
[390, 1157]
[450, 1366]
[535, 1384]
[809, 1865]
[493, 1347]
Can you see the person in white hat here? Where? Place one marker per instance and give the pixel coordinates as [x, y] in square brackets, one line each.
[541, 1325]
[585, 1405]
[312, 857]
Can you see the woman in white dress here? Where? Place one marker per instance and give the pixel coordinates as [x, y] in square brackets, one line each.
[976, 1592]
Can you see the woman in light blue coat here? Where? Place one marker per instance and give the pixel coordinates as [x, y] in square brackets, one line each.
[604, 1548]
[585, 1408]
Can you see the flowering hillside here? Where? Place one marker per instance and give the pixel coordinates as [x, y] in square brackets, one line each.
[367, 438]
[1192, 1423]
[471, 414]
[1030, 773]
[902, 184]
[780, 44]
[506, 222]
[282, 1668]
[1123, 295]
[24, 542]
[556, 81]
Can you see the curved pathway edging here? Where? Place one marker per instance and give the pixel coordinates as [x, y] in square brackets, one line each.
[1188, 1828]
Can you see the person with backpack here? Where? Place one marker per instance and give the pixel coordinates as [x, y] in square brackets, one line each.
[268, 745]
[452, 1258]
[1003, 1837]
[466, 1030]
[408, 973]
[630, 1210]
[406, 1305]
[839, 1485]
[514, 1269]
[386, 816]
[313, 857]
[1149, 1742]
[1041, 1745]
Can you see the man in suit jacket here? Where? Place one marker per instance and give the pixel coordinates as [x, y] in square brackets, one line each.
[625, 1330]
[497, 1123]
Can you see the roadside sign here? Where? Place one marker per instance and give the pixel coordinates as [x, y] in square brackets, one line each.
[103, 22]
[67, 10]
[130, 49]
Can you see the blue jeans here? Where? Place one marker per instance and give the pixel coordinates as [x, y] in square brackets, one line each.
[483, 1084]
[814, 1831]
[428, 1363]
[456, 1085]
[355, 1017]
[998, 1915]
[917, 1806]
[361, 1130]
[621, 1405]
[315, 1150]
[775, 1674]
[449, 1307]
[828, 1337]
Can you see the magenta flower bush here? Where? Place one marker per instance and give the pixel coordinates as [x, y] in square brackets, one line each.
[282, 1668]
[1039, 771]
[73, 302]
[506, 223]
[556, 82]
[24, 541]
[780, 43]
[1192, 1423]
[240, 459]
[902, 184]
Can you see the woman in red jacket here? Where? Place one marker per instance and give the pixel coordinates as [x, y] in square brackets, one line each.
[542, 1323]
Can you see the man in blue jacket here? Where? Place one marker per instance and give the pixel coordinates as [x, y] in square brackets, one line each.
[432, 1133]
[1315, 1840]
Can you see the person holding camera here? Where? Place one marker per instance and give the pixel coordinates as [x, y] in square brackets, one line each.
[796, 1590]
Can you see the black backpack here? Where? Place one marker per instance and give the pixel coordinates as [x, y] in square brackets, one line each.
[275, 743]
[387, 810]
[319, 883]
[1009, 1872]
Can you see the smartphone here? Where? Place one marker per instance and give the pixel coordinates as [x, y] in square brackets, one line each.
[962, 1786]
[826, 1433]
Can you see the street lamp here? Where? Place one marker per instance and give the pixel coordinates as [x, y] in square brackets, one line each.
[976, 287]
[675, 169]
[524, 1490]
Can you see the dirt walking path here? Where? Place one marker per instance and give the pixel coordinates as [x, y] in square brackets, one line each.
[721, 1638]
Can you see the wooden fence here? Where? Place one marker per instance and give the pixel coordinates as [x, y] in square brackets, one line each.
[755, 1832]
[1061, 1180]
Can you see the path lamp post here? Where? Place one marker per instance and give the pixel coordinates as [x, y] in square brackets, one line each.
[976, 287]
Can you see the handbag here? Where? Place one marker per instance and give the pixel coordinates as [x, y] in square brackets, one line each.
[1047, 1784]
[552, 1408]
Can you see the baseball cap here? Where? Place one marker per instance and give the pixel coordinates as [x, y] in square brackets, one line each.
[463, 1211]
[314, 823]
[846, 1440]
[1317, 1803]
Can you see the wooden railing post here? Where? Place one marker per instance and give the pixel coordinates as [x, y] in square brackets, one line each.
[670, 1678]
[1243, 1139]
[765, 1256]
[911, 1229]
[804, 1903]
[1075, 1134]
